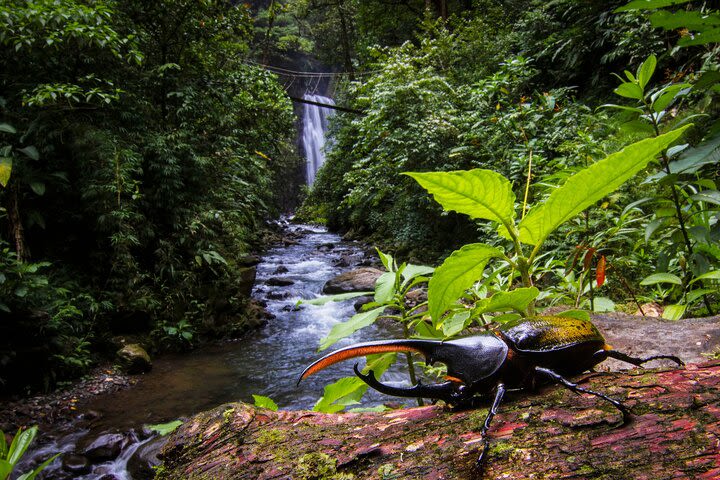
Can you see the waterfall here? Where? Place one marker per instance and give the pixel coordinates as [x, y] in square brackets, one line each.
[315, 121]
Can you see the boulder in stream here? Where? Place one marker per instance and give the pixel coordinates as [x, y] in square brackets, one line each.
[134, 359]
[105, 447]
[279, 282]
[77, 464]
[359, 280]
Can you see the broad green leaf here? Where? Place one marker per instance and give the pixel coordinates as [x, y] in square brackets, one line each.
[7, 128]
[695, 294]
[707, 196]
[629, 90]
[336, 396]
[333, 298]
[646, 70]
[387, 260]
[603, 304]
[5, 468]
[623, 107]
[345, 329]
[385, 287]
[693, 159]
[163, 429]
[31, 152]
[663, 98]
[700, 38]
[506, 317]
[412, 271]
[38, 188]
[690, 19]
[262, 401]
[576, 314]
[591, 185]
[455, 323]
[40, 468]
[5, 170]
[714, 275]
[3, 441]
[656, 278]
[457, 273]
[649, 5]
[20, 444]
[674, 312]
[517, 299]
[477, 193]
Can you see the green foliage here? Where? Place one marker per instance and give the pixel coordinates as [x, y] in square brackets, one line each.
[138, 173]
[391, 301]
[265, 402]
[12, 454]
[465, 266]
[163, 429]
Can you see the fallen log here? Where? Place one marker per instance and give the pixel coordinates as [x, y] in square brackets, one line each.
[553, 433]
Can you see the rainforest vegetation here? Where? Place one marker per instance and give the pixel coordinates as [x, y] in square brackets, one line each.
[144, 146]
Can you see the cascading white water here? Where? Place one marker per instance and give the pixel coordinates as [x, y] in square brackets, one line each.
[315, 121]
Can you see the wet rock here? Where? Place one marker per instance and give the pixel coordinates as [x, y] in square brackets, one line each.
[105, 447]
[279, 282]
[358, 280]
[325, 247]
[246, 280]
[248, 261]
[110, 476]
[361, 301]
[277, 295]
[288, 241]
[143, 461]
[134, 359]
[280, 270]
[415, 298]
[77, 464]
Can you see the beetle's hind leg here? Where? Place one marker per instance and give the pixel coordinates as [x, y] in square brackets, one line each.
[499, 393]
[557, 378]
[638, 362]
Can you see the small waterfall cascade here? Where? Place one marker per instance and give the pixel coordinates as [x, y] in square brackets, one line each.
[315, 122]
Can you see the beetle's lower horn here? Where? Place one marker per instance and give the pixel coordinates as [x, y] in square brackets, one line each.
[442, 391]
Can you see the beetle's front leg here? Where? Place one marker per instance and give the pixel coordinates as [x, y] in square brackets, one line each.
[557, 378]
[499, 393]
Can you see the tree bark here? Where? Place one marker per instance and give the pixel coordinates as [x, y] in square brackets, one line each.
[553, 433]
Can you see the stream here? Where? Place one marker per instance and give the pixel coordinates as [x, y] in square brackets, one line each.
[264, 362]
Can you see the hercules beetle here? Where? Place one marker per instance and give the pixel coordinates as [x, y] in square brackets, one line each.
[515, 356]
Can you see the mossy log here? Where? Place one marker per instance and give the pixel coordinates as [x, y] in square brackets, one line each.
[552, 433]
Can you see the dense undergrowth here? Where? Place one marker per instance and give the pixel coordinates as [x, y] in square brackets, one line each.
[523, 91]
[139, 162]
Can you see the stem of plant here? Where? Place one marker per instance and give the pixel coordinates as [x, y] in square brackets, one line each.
[411, 365]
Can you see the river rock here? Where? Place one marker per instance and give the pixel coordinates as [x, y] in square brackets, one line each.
[134, 359]
[105, 447]
[280, 270]
[279, 282]
[362, 301]
[248, 261]
[246, 280]
[359, 280]
[143, 462]
[77, 464]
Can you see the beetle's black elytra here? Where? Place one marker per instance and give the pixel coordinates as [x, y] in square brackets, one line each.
[516, 356]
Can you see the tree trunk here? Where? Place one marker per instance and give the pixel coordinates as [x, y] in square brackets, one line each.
[16, 227]
[553, 433]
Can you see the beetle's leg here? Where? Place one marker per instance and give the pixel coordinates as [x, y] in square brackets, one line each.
[603, 354]
[499, 393]
[578, 389]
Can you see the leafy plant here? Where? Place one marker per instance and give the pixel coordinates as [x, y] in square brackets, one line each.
[484, 194]
[686, 220]
[392, 301]
[11, 455]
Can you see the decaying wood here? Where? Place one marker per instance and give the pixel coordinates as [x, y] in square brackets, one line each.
[675, 433]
